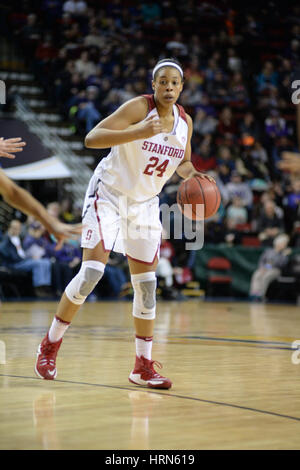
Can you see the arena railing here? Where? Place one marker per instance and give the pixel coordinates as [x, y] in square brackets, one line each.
[80, 172]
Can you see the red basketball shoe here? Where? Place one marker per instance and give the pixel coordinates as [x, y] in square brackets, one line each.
[45, 366]
[144, 374]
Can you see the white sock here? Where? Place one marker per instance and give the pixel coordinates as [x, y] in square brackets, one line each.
[143, 346]
[57, 329]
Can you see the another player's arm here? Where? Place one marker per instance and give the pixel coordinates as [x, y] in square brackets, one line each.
[186, 169]
[124, 125]
[10, 146]
[291, 162]
[23, 201]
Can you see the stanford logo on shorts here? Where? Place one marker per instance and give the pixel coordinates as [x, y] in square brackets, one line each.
[89, 234]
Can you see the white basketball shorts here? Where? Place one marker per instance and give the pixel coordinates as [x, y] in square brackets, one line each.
[120, 223]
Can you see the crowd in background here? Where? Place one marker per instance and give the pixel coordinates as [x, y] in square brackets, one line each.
[26, 247]
[239, 63]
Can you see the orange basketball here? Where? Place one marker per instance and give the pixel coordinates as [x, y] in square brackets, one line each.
[198, 198]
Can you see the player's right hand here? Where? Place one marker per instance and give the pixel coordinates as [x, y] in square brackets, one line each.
[150, 127]
[10, 146]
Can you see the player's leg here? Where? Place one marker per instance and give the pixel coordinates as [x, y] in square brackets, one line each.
[97, 240]
[90, 273]
[143, 279]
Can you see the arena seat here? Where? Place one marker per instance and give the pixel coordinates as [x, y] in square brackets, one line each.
[250, 241]
[15, 284]
[219, 277]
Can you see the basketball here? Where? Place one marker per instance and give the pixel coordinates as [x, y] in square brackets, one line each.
[198, 198]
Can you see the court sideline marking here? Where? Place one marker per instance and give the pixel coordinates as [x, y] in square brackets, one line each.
[184, 397]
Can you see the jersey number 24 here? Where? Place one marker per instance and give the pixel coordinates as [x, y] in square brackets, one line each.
[149, 170]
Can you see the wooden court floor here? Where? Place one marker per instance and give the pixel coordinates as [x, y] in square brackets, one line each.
[236, 381]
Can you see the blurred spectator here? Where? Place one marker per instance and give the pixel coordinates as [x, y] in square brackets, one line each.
[291, 205]
[151, 12]
[253, 27]
[176, 47]
[164, 269]
[267, 78]
[75, 7]
[269, 223]
[237, 91]
[293, 198]
[204, 124]
[234, 63]
[293, 51]
[66, 211]
[252, 163]
[94, 38]
[226, 162]
[87, 109]
[217, 87]
[193, 72]
[54, 209]
[249, 126]
[206, 105]
[36, 244]
[236, 213]
[84, 66]
[203, 157]
[115, 274]
[275, 126]
[237, 187]
[13, 256]
[30, 34]
[227, 125]
[169, 191]
[174, 271]
[67, 263]
[183, 263]
[269, 267]
[191, 94]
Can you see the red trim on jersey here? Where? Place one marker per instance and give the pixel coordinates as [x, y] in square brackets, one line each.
[99, 223]
[144, 262]
[151, 102]
[152, 105]
[181, 112]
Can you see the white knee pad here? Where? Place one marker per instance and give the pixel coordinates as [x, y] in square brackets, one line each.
[144, 300]
[85, 281]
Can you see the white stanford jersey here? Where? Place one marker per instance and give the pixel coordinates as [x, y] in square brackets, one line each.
[139, 169]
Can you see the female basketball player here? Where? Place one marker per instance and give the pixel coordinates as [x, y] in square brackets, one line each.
[150, 139]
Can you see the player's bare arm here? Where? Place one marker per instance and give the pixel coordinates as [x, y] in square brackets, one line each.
[186, 169]
[8, 147]
[124, 125]
[23, 201]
